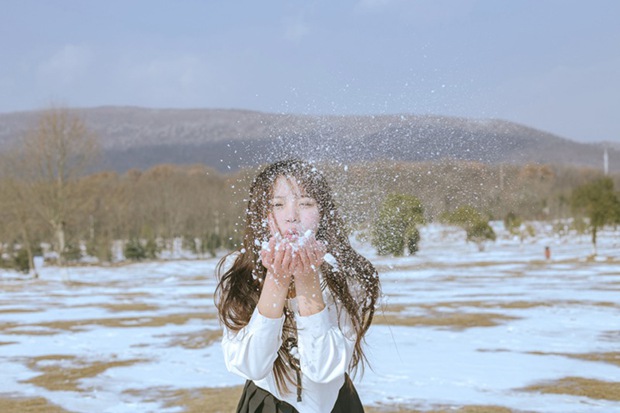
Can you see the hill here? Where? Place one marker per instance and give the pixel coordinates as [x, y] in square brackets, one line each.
[134, 137]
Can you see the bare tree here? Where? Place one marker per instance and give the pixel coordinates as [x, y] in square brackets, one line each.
[16, 208]
[54, 155]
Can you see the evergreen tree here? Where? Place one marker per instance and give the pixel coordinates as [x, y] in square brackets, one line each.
[599, 203]
[473, 222]
[395, 227]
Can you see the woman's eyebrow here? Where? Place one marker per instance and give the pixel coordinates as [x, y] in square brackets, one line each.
[301, 195]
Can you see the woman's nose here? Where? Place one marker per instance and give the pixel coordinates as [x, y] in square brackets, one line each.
[292, 214]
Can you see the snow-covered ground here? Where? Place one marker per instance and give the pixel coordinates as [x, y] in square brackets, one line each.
[152, 319]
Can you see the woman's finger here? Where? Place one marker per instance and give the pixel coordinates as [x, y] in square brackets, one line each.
[287, 258]
[280, 252]
[321, 250]
[304, 260]
[272, 245]
[310, 253]
[267, 253]
[265, 258]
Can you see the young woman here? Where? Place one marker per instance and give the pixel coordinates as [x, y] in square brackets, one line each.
[297, 300]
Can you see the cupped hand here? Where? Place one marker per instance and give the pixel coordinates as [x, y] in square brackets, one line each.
[277, 258]
[308, 259]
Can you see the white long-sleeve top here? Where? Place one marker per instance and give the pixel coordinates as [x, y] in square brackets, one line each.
[325, 351]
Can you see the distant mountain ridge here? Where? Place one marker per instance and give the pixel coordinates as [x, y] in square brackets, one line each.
[227, 139]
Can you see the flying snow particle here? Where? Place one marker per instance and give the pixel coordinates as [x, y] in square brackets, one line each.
[331, 261]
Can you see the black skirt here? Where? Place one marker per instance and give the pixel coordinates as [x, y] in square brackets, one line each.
[257, 400]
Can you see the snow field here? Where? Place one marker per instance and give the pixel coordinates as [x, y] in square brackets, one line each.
[157, 322]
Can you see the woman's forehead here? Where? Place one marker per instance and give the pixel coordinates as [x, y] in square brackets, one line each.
[285, 185]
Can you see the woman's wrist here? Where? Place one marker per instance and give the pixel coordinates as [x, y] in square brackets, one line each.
[273, 295]
[276, 281]
[309, 295]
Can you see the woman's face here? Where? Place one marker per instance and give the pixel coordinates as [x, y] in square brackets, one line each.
[293, 212]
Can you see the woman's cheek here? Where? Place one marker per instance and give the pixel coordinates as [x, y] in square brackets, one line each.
[271, 223]
[312, 220]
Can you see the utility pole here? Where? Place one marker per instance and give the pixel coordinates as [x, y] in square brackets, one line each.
[606, 162]
[501, 177]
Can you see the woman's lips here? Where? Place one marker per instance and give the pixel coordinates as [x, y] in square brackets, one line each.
[291, 234]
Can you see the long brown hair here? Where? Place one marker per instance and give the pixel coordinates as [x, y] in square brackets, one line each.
[353, 282]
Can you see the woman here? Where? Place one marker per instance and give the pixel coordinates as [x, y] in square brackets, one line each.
[297, 300]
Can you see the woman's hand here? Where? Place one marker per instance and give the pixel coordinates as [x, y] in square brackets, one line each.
[307, 260]
[277, 258]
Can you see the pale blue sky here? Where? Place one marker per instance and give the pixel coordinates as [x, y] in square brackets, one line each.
[549, 64]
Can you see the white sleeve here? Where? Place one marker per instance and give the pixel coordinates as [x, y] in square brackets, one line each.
[325, 351]
[251, 351]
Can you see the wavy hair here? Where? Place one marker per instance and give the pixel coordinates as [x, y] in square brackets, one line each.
[353, 282]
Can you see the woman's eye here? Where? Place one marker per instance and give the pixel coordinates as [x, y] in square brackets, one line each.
[307, 203]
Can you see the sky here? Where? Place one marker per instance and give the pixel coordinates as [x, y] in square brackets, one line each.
[550, 64]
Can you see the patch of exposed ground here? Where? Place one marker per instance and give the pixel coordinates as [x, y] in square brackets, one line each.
[20, 310]
[579, 386]
[193, 341]
[26, 332]
[80, 325]
[456, 321]
[388, 408]
[507, 305]
[63, 372]
[612, 335]
[612, 357]
[225, 399]
[9, 404]
[120, 307]
[383, 268]
[518, 271]
[396, 308]
[208, 297]
[393, 315]
[201, 400]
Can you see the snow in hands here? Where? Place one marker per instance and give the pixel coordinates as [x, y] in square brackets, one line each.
[292, 238]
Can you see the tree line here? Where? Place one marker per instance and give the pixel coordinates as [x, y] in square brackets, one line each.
[593, 205]
[49, 201]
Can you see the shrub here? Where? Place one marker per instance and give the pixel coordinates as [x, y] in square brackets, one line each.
[395, 227]
[512, 223]
[413, 240]
[21, 262]
[101, 248]
[72, 252]
[210, 243]
[473, 222]
[134, 250]
[151, 249]
[597, 201]
[480, 232]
